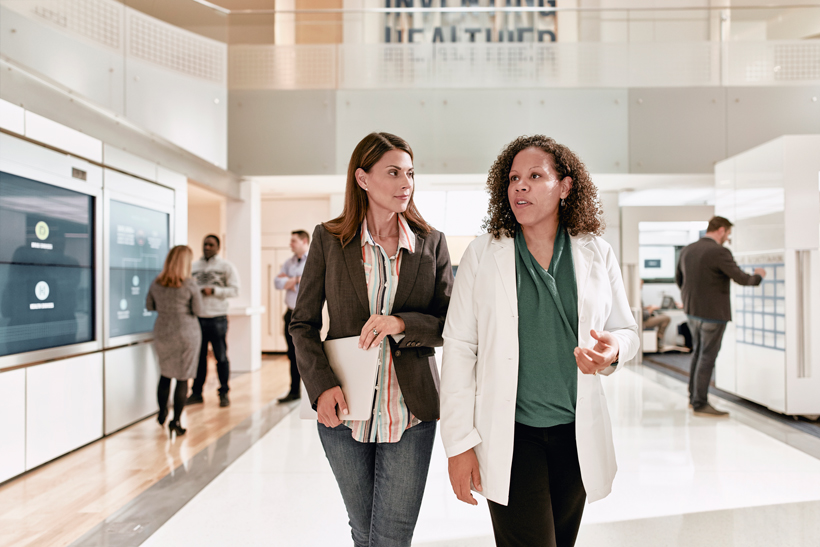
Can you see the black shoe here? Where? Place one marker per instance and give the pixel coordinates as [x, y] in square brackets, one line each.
[194, 400]
[175, 427]
[163, 413]
[289, 397]
[223, 400]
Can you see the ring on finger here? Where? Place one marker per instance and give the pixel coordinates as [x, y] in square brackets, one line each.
[375, 332]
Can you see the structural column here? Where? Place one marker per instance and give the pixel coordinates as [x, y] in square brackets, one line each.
[244, 245]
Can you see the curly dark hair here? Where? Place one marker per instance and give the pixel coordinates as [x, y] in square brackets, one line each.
[582, 212]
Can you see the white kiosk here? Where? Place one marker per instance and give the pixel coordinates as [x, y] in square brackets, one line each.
[771, 350]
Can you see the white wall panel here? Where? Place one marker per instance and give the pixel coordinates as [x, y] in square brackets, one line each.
[132, 186]
[52, 133]
[26, 159]
[12, 423]
[124, 161]
[86, 66]
[758, 114]
[463, 131]
[64, 407]
[191, 112]
[676, 130]
[131, 377]
[283, 132]
[12, 117]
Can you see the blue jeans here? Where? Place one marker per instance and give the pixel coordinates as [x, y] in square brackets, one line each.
[381, 483]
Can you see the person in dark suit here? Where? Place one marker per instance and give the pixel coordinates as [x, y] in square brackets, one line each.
[705, 269]
[386, 276]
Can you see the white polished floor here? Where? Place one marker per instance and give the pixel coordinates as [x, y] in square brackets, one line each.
[682, 481]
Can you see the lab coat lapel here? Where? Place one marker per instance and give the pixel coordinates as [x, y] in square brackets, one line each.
[582, 257]
[505, 260]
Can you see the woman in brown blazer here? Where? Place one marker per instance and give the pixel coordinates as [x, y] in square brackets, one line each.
[386, 277]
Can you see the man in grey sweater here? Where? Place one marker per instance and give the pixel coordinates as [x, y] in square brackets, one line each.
[705, 270]
[217, 280]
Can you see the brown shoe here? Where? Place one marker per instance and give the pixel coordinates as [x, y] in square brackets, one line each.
[710, 411]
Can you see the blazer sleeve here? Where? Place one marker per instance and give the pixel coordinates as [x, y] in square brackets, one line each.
[620, 323]
[196, 298]
[458, 368]
[679, 274]
[150, 303]
[726, 263]
[306, 322]
[425, 329]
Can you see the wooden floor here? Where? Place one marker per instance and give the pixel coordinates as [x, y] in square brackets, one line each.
[57, 503]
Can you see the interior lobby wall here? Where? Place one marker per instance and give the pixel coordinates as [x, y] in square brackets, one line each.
[637, 130]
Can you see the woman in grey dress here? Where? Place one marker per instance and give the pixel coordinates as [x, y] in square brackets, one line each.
[177, 336]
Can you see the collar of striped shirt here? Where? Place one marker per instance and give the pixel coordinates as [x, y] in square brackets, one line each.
[407, 239]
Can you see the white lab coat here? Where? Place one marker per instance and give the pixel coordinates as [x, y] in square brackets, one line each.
[479, 376]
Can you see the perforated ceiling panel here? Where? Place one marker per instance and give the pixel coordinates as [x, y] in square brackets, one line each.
[97, 20]
[174, 48]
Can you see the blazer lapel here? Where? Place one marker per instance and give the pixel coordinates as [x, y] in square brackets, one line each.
[355, 269]
[582, 261]
[407, 274]
[505, 260]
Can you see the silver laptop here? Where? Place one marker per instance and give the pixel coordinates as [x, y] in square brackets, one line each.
[356, 370]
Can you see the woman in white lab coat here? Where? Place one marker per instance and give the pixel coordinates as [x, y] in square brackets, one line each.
[538, 314]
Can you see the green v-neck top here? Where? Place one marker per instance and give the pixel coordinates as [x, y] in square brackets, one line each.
[547, 335]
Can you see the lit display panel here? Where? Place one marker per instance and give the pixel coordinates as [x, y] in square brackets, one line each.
[760, 312]
[137, 247]
[46, 266]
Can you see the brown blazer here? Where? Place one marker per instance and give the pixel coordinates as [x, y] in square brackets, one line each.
[422, 297]
[705, 269]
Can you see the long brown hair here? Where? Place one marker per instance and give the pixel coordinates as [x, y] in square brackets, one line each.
[367, 153]
[581, 213]
[177, 267]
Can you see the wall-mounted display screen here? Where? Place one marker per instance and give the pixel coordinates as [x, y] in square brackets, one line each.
[137, 247]
[46, 266]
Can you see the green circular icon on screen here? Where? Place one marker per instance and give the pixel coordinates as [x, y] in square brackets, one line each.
[41, 230]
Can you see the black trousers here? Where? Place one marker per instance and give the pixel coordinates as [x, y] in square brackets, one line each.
[706, 340]
[295, 378]
[214, 330]
[546, 493]
[180, 393]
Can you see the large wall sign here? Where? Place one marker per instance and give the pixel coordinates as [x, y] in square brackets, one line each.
[46, 266]
[138, 243]
[435, 26]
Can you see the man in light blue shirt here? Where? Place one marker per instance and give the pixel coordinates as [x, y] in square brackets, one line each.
[288, 280]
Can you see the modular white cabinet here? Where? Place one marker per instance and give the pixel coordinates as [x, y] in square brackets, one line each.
[131, 377]
[771, 350]
[12, 423]
[64, 407]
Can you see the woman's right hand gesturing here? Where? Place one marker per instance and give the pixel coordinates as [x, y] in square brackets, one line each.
[326, 406]
[462, 468]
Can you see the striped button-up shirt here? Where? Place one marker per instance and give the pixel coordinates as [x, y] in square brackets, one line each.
[390, 413]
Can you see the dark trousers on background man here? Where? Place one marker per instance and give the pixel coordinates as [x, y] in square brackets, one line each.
[214, 330]
[706, 339]
[295, 378]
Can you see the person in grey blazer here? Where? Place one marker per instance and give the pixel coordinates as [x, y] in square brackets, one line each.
[175, 296]
[386, 277]
[704, 272]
